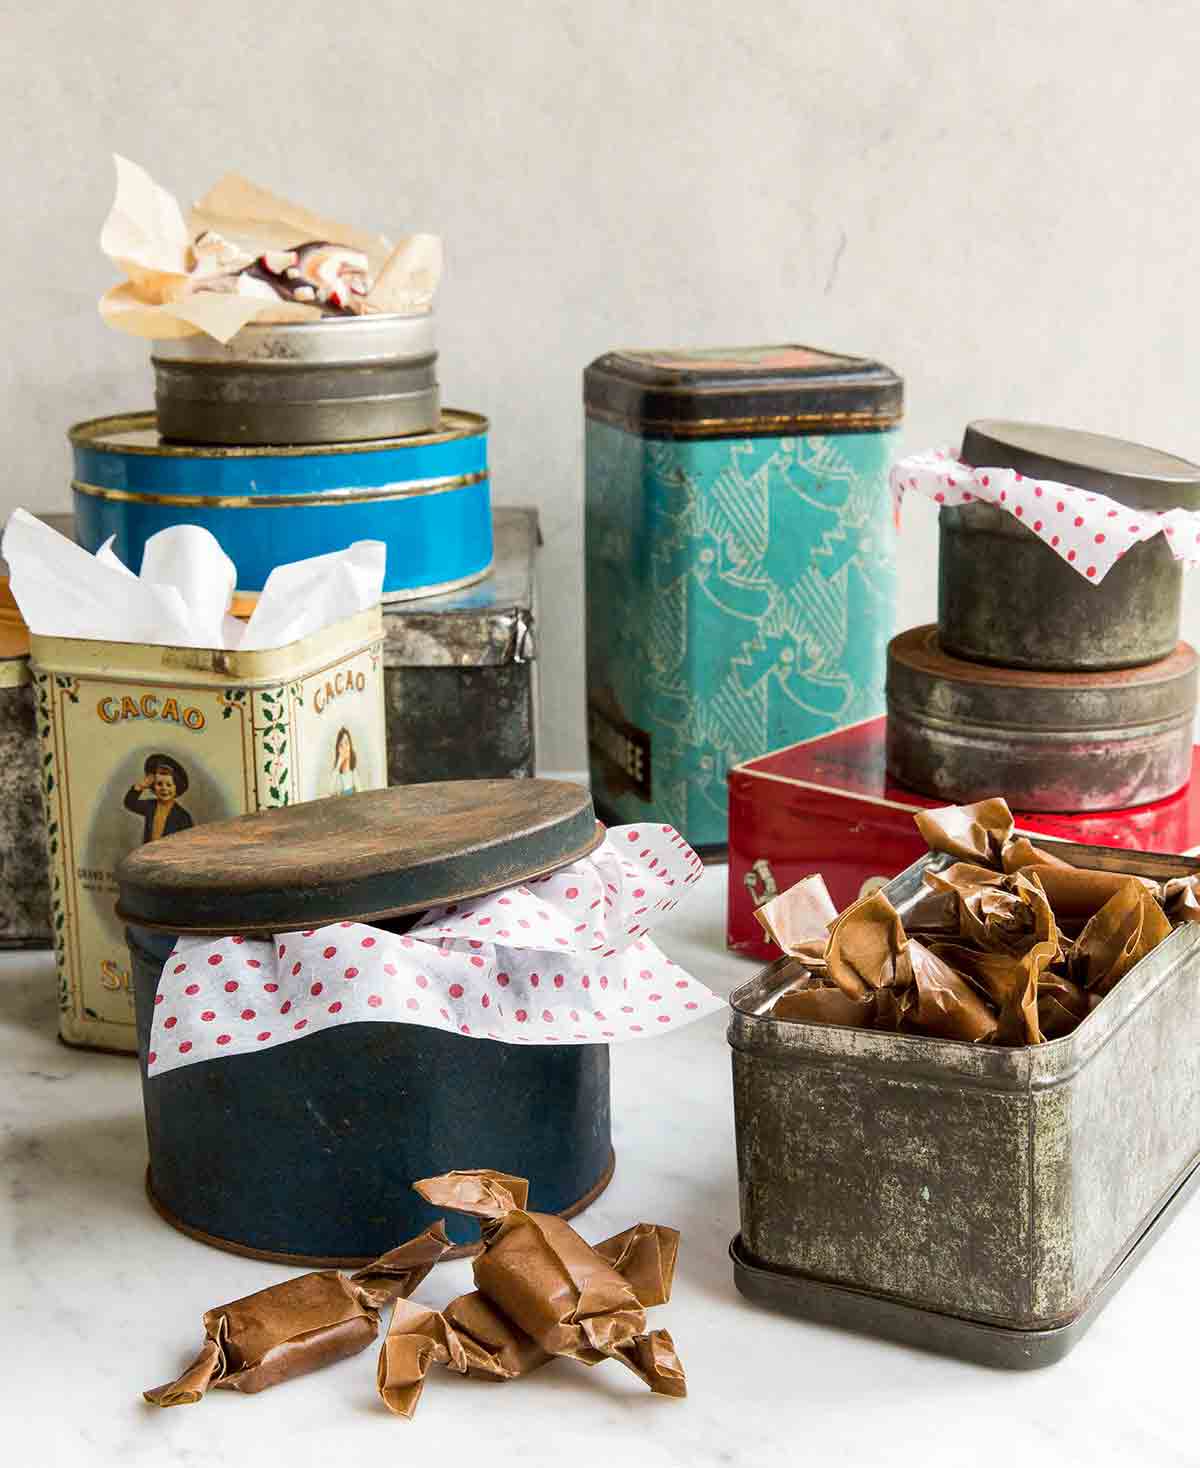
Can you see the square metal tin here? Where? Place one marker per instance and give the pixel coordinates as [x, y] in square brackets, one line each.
[1005, 1189]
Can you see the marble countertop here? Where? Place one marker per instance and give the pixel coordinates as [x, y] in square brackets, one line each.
[101, 1299]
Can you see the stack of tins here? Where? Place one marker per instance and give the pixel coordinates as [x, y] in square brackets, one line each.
[307, 1152]
[1036, 683]
[740, 575]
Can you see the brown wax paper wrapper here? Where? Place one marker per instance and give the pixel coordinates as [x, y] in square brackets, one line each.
[1126, 928]
[544, 1278]
[864, 945]
[799, 919]
[1061, 1004]
[935, 1000]
[1179, 899]
[882, 977]
[472, 1336]
[300, 1324]
[147, 236]
[816, 1001]
[998, 910]
[976, 833]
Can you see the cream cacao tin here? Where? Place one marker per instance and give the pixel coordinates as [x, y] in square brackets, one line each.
[1051, 741]
[337, 380]
[140, 742]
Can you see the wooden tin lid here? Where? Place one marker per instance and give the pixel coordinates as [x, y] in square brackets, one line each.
[379, 854]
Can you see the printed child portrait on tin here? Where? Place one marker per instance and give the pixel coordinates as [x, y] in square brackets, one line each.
[344, 778]
[161, 813]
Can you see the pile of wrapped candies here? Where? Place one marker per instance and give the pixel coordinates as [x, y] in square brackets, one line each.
[1006, 945]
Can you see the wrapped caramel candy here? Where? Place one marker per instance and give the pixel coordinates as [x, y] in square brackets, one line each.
[300, 1324]
[1016, 944]
[542, 1292]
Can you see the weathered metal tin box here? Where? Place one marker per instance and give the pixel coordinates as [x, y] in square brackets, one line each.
[460, 670]
[740, 570]
[979, 1200]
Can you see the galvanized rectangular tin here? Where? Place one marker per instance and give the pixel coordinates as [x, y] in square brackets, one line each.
[24, 885]
[739, 561]
[237, 732]
[914, 1179]
[460, 670]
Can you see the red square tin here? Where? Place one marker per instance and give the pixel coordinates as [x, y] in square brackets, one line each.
[827, 805]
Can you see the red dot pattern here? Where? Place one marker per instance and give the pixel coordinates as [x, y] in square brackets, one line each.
[519, 966]
[1089, 531]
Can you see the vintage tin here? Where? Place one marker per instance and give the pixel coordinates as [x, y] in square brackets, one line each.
[460, 670]
[332, 1130]
[24, 884]
[970, 1198]
[427, 497]
[1005, 597]
[1050, 741]
[828, 805]
[234, 731]
[336, 380]
[739, 562]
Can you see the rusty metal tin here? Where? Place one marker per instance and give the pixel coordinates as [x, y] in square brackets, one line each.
[24, 880]
[1048, 741]
[1005, 597]
[330, 1132]
[337, 380]
[974, 1199]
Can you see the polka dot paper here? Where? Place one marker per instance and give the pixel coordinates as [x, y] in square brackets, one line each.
[1089, 531]
[561, 960]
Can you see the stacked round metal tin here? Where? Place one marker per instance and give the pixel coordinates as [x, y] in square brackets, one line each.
[1037, 684]
[292, 440]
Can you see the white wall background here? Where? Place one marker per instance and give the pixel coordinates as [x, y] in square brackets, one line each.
[998, 199]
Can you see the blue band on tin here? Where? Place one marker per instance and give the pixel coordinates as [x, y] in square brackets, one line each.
[433, 511]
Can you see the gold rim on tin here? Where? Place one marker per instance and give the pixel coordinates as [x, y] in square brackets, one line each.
[283, 501]
[440, 588]
[780, 425]
[98, 433]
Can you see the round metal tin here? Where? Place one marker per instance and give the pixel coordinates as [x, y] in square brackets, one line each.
[1004, 597]
[337, 380]
[1046, 741]
[427, 497]
[331, 1131]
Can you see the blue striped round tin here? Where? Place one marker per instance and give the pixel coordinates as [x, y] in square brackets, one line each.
[426, 497]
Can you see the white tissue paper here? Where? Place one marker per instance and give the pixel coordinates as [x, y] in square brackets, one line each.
[182, 595]
[560, 960]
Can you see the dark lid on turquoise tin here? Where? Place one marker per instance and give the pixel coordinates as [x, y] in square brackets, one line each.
[732, 392]
[1141, 478]
[365, 857]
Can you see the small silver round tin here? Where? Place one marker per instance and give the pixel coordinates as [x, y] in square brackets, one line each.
[1005, 597]
[1046, 741]
[337, 380]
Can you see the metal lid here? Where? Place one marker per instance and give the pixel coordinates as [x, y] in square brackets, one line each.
[716, 392]
[136, 433]
[926, 683]
[333, 341]
[1141, 478]
[375, 855]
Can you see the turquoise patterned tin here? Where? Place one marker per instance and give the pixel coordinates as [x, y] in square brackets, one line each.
[740, 566]
[426, 496]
